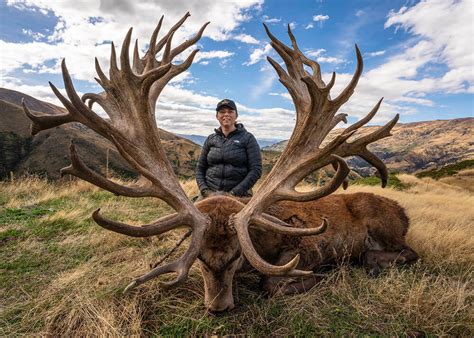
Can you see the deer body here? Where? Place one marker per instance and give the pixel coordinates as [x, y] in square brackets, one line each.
[364, 228]
[280, 231]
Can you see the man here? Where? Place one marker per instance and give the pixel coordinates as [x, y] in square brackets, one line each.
[230, 160]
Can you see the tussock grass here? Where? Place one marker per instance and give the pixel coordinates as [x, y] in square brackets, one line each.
[61, 274]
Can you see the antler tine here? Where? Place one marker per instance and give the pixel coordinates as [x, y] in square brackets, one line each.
[137, 64]
[366, 119]
[183, 46]
[173, 29]
[91, 98]
[338, 118]
[42, 122]
[162, 225]
[77, 106]
[104, 81]
[79, 169]
[311, 63]
[349, 90]
[175, 70]
[166, 54]
[180, 266]
[149, 78]
[286, 53]
[341, 174]
[124, 57]
[285, 80]
[113, 69]
[270, 223]
[152, 46]
[359, 146]
[254, 258]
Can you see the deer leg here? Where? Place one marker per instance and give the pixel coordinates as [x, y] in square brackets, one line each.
[374, 260]
[277, 285]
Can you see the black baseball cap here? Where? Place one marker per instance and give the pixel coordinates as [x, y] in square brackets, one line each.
[226, 103]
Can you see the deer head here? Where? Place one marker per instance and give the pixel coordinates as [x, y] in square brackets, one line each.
[220, 224]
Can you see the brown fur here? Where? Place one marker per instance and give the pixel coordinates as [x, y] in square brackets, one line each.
[362, 227]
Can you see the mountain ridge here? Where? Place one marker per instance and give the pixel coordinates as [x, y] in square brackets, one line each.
[48, 151]
[414, 146]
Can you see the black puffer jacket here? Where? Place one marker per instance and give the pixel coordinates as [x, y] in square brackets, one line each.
[232, 164]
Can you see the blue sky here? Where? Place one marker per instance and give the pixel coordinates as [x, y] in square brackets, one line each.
[418, 55]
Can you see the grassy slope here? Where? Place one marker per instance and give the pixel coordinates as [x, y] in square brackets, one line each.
[62, 274]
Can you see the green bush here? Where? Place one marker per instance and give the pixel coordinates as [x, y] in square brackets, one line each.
[393, 181]
[448, 170]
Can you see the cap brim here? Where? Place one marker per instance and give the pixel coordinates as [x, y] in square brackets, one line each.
[225, 105]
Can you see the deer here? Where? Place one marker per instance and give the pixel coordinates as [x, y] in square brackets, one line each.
[283, 234]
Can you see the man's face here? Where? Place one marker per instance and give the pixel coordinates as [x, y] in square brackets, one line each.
[226, 117]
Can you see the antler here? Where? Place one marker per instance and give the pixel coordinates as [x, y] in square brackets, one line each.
[129, 98]
[315, 118]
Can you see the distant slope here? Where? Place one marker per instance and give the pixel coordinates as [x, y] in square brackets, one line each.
[199, 139]
[417, 146]
[48, 151]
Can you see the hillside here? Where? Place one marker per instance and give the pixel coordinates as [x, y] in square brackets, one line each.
[48, 151]
[417, 146]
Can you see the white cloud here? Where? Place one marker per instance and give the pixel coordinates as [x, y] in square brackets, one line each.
[284, 95]
[267, 19]
[308, 26]
[292, 25]
[318, 54]
[329, 59]
[377, 53]
[320, 17]
[258, 55]
[442, 38]
[35, 35]
[108, 20]
[246, 39]
[186, 112]
[315, 53]
[213, 54]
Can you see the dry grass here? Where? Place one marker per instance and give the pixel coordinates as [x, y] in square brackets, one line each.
[462, 180]
[60, 274]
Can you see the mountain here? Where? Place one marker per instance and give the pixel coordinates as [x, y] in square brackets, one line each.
[48, 151]
[416, 146]
[199, 139]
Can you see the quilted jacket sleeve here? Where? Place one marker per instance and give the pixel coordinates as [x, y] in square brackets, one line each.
[254, 164]
[202, 167]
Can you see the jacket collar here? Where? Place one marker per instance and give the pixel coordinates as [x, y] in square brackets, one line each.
[239, 128]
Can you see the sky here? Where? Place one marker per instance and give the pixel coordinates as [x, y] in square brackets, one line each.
[418, 55]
